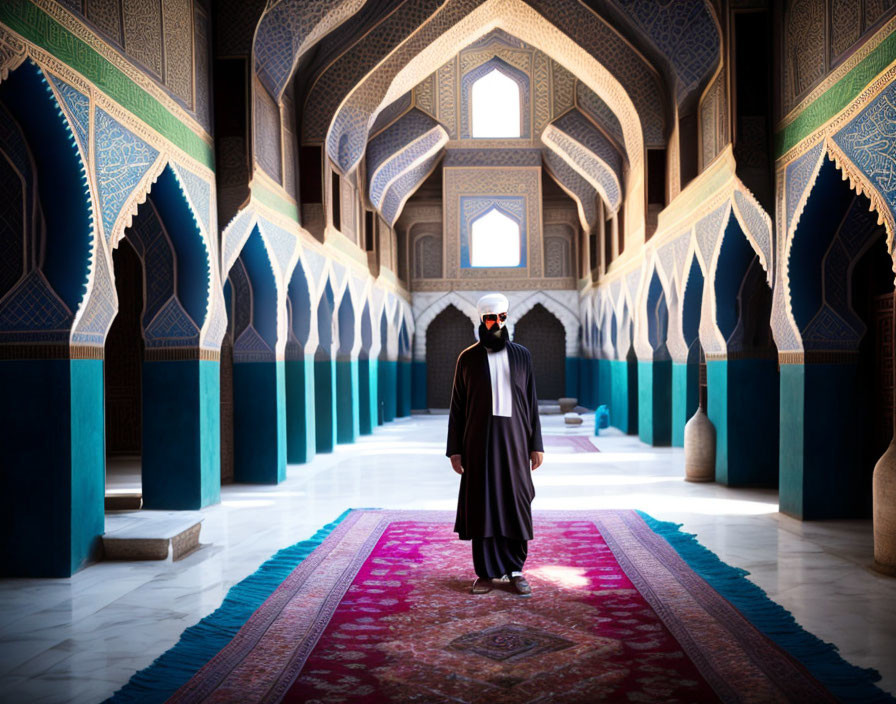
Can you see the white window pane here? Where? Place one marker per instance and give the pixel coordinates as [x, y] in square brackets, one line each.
[496, 106]
[495, 240]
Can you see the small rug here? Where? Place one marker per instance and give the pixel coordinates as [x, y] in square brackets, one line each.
[569, 443]
[381, 611]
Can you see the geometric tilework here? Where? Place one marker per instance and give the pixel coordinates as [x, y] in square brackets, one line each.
[282, 242]
[757, 227]
[583, 192]
[579, 128]
[172, 327]
[797, 175]
[199, 192]
[591, 153]
[385, 146]
[869, 142]
[122, 160]
[78, 107]
[589, 103]
[287, 29]
[403, 187]
[707, 232]
[684, 31]
[33, 307]
[393, 111]
[591, 167]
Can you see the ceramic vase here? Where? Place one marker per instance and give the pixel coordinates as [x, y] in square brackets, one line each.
[700, 448]
[883, 493]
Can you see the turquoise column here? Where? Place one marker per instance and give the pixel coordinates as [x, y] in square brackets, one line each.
[820, 443]
[619, 406]
[259, 422]
[388, 383]
[403, 408]
[181, 434]
[742, 403]
[655, 402]
[365, 408]
[604, 383]
[300, 426]
[575, 379]
[418, 386]
[347, 401]
[685, 398]
[53, 480]
[325, 404]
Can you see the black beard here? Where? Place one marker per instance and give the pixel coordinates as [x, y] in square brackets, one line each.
[493, 340]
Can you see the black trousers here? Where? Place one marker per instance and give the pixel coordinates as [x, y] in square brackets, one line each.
[498, 556]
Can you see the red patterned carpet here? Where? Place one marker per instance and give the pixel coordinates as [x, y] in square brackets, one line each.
[381, 612]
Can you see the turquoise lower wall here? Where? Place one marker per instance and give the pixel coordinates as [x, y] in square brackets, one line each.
[655, 402]
[619, 402]
[366, 409]
[604, 383]
[821, 476]
[87, 471]
[574, 379]
[418, 386]
[347, 401]
[791, 488]
[181, 434]
[300, 425]
[325, 404]
[403, 407]
[685, 398]
[53, 480]
[388, 389]
[742, 403]
[259, 422]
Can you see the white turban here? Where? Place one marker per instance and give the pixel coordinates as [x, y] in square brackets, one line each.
[492, 303]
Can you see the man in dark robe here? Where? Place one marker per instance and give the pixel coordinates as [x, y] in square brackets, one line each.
[494, 437]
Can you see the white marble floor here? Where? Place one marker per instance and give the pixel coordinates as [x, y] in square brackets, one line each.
[80, 639]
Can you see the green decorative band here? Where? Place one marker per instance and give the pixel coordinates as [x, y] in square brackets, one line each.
[274, 201]
[40, 29]
[837, 97]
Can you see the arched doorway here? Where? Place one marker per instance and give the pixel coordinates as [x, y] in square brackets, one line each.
[123, 384]
[449, 333]
[742, 380]
[686, 374]
[839, 390]
[655, 374]
[544, 336]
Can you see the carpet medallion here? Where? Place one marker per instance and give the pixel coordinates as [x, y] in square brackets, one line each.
[381, 612]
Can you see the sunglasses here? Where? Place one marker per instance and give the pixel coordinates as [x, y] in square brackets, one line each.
[494, 317]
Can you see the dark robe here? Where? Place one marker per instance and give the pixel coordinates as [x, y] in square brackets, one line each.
[496, 488]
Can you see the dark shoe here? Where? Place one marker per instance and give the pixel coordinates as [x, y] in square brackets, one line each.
[521, 585]
[481, 586]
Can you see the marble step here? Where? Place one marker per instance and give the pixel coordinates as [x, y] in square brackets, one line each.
[151, 535]
[124, 502]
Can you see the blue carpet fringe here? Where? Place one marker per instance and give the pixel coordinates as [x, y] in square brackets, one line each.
[200, 643]
[847, 682]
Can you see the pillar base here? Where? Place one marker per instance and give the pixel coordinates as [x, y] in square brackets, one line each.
[259, 422]
[181, 434]
[300, 422]
[51, 492]
[655, 402]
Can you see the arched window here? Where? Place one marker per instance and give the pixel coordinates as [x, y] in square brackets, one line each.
[494, 240]
[496, 106]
